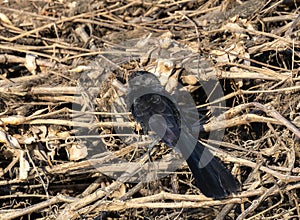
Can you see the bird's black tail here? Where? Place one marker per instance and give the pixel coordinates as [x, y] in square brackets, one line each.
[213, 179]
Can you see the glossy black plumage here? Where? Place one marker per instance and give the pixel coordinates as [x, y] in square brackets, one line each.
[155, 110]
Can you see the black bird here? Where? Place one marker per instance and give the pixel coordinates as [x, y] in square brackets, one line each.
[155, 109]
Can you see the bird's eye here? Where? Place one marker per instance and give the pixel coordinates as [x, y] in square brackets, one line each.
[155, 99]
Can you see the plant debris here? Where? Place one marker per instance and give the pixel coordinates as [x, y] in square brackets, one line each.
[69, 148]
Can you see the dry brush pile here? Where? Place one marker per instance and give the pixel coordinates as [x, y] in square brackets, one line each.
[64, 68]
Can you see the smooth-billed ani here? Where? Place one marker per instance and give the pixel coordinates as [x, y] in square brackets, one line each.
[155, 109]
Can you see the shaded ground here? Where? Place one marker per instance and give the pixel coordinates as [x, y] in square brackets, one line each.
[64, 68]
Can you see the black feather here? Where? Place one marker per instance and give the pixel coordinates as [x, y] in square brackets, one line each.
[153, 107]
